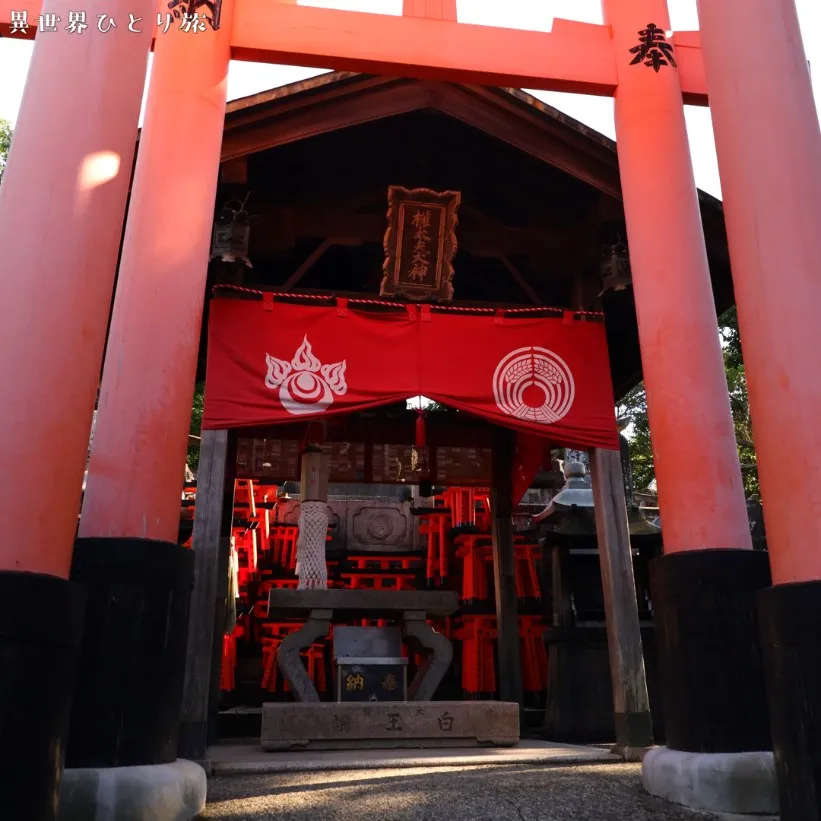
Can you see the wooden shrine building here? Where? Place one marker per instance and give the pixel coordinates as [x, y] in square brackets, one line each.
[304, 176]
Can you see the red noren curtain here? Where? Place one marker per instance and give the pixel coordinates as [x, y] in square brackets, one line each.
[272, 362]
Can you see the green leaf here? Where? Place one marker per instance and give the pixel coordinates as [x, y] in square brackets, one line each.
[5, 143]
[634, 407]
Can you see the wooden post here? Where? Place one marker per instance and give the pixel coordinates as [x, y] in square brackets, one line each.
[634, 726]
[224, 608]
[313, 484]
[504, 569]
[207, 615]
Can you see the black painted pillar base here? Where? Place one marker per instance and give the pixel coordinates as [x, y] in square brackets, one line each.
[790, 624]
[129, 685]
[194, 740]
[41, 625]
[712, 679]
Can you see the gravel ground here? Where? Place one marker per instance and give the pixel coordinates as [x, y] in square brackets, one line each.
[592, 792]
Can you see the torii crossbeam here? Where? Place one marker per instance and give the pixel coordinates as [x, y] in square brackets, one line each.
[574, 57]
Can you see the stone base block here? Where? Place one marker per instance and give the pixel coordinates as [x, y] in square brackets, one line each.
[386, 724]
[159, 792]
[740, 783]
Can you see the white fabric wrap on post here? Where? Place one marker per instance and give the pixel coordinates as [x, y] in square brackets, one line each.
[310, 547]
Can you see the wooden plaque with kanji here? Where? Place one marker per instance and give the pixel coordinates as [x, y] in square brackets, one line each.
[420, 244]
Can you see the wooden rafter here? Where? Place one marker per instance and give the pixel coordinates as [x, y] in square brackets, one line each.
[234, 172]
[486, 240]
[314, 257]
[343, 111]
[511, 122]
[488, 223]
[520, 280]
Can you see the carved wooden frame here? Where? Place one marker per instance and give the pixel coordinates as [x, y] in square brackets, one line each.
[447, 202]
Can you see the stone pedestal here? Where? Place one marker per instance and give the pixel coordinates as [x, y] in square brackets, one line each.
[736, 783]
[319, 608]
[159, 792]
[352, 725]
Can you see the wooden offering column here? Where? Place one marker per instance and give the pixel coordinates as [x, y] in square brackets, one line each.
[504, 568]
[634, 726]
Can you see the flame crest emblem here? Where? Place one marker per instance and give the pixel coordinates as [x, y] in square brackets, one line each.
[305, 385]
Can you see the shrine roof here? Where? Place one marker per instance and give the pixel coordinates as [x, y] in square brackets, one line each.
[330, 80]
[541, 194]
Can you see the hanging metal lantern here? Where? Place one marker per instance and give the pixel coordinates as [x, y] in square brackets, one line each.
[232, 227]
[615, 266]
[420, 455]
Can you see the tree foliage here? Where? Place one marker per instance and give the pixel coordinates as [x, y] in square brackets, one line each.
[634, 407]
[193, 456]
[739, 400]
[5, 143]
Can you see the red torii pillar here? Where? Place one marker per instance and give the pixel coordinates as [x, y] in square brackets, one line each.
[703, 588]
[131, 511]
[136, 471]
[61, 207]
[769, 154]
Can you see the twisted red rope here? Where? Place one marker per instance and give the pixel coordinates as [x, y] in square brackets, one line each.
[383, 303]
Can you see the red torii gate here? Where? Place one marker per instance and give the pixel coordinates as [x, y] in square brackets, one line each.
[575, 57]
[60, 251]
[179, 151]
